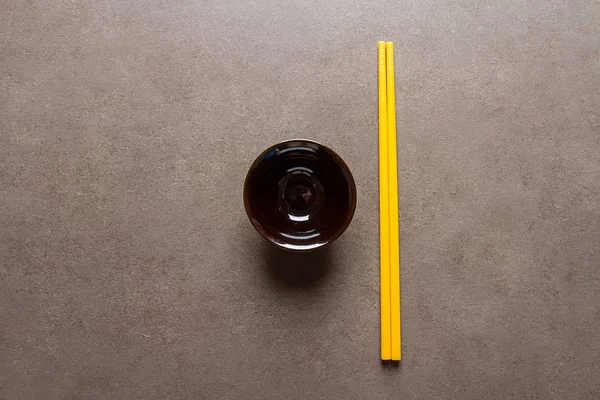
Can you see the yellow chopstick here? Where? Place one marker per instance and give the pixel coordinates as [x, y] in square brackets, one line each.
[393, 206]
[384, 217]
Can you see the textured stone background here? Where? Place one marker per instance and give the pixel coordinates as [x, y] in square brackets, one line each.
[128, 269]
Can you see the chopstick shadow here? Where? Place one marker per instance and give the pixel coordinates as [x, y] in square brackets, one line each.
[391, 363]
[297, 270]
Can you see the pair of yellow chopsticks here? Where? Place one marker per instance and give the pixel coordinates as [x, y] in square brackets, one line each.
[391, 343]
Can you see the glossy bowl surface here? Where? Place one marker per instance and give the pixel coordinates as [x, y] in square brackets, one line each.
[299, 195]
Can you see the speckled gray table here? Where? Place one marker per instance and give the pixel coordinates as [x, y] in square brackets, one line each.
[128, 269]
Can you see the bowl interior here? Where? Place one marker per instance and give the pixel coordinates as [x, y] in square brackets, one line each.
[300, 195]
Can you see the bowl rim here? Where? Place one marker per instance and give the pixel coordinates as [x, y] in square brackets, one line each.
[338, 232]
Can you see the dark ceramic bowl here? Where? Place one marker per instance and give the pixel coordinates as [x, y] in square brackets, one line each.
[300, 195]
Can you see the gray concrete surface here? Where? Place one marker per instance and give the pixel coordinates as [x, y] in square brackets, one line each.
[128, 269]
